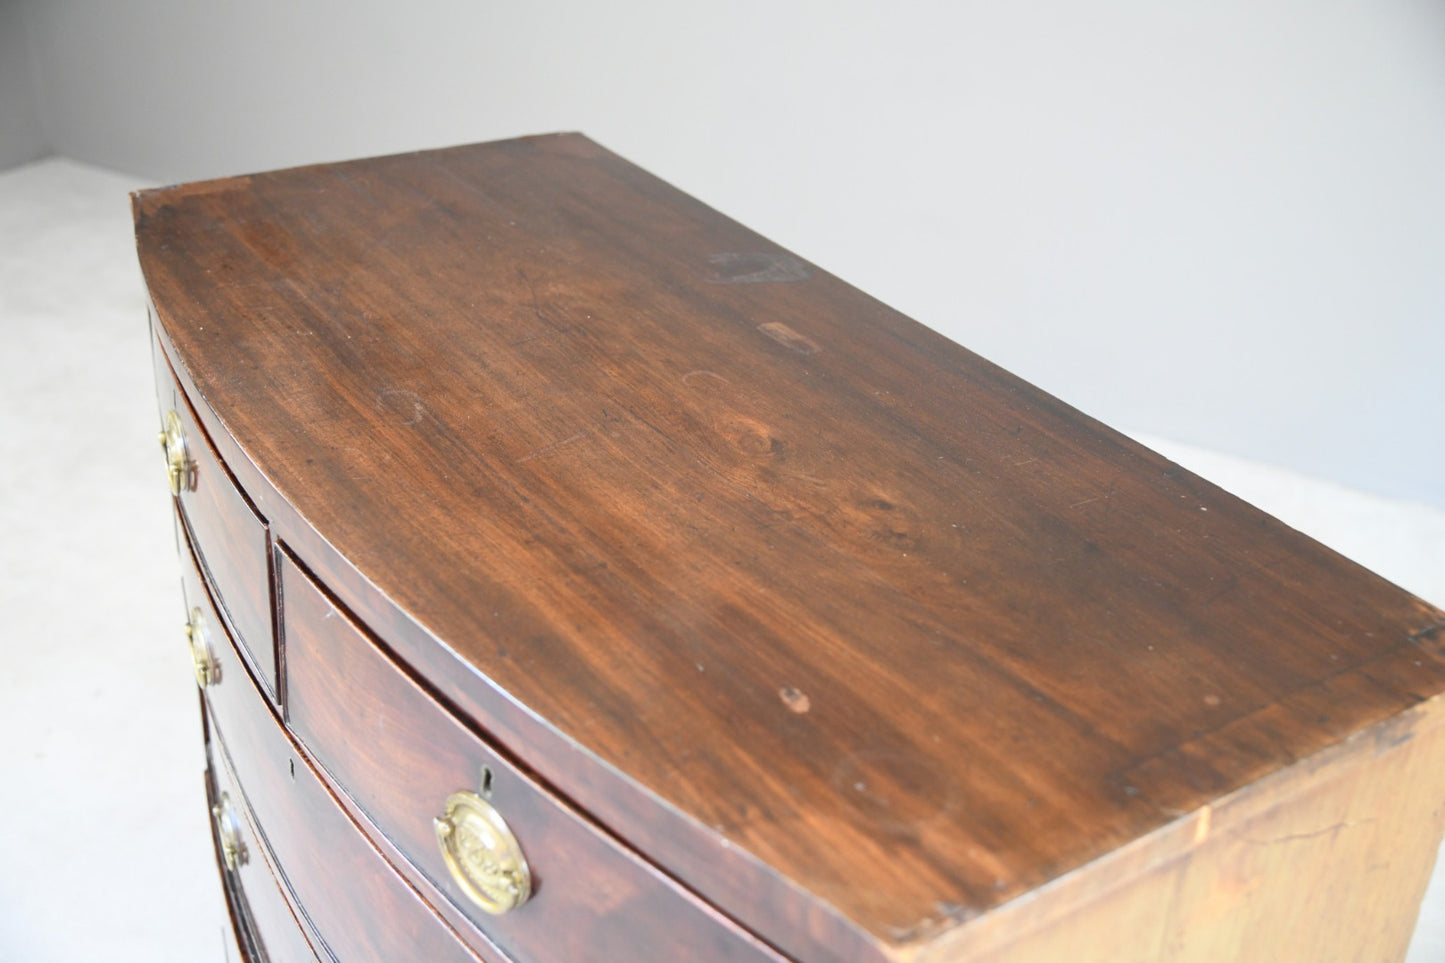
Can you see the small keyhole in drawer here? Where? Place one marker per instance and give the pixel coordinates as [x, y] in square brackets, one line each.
[486, 782]
[291, 765]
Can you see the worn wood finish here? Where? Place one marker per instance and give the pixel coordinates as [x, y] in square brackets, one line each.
[859, 636]
[1324, 861]
[255, 894]
[399, 754]
[356, 903]
[231, 542]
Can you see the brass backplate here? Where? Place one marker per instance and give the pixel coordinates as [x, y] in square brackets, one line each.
[482, 855]
[228, 828]
[178, 464]
[207, 669]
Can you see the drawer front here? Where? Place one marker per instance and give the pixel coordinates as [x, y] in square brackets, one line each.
[264, 926]
[229, 537]
[400, 755]
[221, 672]
[351, 898]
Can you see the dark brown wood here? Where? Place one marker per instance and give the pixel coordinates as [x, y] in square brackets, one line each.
[399, 754]
[231, 696]
[261, 915]
[857, 635]
[231, 542]
[355, 901]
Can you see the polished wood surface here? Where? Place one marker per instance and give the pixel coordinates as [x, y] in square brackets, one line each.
[399, 755]
[856, 634]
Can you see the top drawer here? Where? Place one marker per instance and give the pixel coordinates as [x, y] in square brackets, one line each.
[229, 537]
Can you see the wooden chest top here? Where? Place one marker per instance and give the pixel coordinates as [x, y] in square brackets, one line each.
[853, 632]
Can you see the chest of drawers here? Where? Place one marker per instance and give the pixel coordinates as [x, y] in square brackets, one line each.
[574, 575]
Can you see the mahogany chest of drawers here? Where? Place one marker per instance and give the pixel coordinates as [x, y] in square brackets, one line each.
[574, 575]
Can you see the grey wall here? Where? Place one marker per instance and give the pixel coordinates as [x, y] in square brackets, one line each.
[1221, 222]
[21, 136]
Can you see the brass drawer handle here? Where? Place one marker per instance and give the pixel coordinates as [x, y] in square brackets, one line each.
[228, 828]
[180, 469]
[482, 854]
[207, 669]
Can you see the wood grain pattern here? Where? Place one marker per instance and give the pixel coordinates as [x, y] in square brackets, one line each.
[858, 635]
[399, 755]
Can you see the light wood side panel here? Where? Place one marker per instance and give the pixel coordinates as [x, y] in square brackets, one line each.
[1325, 862]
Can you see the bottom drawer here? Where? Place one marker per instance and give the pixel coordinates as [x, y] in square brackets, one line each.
[265, 929]
[240, 933]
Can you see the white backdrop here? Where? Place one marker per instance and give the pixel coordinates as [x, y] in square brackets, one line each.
[21, 137]
[1221, 222]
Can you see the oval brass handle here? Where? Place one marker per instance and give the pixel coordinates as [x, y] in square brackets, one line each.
[207, 669]
[482, 854]
[228, 828]
[173, 443]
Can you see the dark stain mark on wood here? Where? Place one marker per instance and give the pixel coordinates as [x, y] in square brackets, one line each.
[754, 267]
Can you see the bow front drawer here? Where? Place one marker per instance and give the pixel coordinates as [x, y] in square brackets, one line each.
[405, 759]
[261, 917]
[353, 899]
[220, 671]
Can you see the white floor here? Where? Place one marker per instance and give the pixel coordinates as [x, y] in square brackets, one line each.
[104, 847]
[104, 850]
